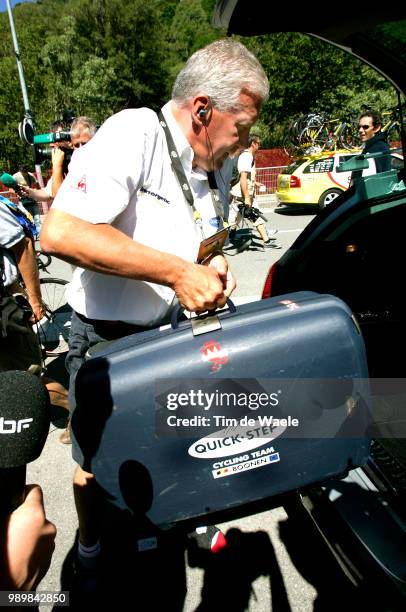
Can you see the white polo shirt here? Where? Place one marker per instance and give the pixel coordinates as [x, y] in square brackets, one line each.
[124, 177]
[245, 164]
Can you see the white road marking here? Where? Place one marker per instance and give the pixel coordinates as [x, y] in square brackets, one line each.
[289, 230]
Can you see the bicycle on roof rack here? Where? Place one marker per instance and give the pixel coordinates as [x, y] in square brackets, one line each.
[393, 127]
[315, 132]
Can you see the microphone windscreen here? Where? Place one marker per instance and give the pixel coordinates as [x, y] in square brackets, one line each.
[8, 180]
[24, 418]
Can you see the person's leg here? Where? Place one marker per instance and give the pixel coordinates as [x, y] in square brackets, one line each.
[85, 489]
[240, 243]
[58, 395]
[21, 351]
[261, 229]
[234, 218]
[267, 238]
[84, 335]
[87, 501]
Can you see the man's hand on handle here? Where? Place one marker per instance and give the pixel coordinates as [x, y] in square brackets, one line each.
[200, 288]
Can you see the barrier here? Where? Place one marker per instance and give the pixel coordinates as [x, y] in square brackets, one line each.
[268, 177]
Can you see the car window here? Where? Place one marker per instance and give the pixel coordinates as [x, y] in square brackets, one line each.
[320, 165]
[291, 169]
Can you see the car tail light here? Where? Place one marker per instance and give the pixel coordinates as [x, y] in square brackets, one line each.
[294, 181]
[267, 290]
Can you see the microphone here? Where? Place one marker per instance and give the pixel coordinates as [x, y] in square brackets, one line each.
[24, 426]
[9, 181]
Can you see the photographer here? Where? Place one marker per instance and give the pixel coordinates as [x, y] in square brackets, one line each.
[61, 156]
[81, 131]
[60, 162]
[244, 192]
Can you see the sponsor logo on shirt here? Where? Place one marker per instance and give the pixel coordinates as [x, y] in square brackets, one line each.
[81, 184]
[155, 195]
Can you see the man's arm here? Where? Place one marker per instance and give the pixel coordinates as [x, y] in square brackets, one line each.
[39, 195]
[104, 249]
[27, 265]
[27, 544]
[244, 187]
[58, 157]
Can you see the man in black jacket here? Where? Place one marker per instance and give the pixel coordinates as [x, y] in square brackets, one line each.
[370, 130]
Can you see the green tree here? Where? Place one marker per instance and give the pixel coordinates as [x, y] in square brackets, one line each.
[189, 30]
[309, 75]
[99, 56]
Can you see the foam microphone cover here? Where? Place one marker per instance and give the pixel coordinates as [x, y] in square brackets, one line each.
[8, 180]
[24, 425]
[24, 418]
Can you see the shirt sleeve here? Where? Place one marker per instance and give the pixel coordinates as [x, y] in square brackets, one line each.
[104, 174]
[11, 231]
[245, 162]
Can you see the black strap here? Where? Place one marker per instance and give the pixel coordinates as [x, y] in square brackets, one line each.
[213, 185]
[180, 173]
[176, 163]
[2, 273]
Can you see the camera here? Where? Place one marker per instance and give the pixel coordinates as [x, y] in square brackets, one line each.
[43, 153]
[250, 212]
[59, 134]
[52, 137]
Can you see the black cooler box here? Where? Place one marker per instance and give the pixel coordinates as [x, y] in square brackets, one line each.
[251, 403]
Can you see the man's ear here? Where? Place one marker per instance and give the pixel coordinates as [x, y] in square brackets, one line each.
[201, 110]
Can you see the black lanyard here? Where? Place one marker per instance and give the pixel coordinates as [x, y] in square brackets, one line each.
[180, 175]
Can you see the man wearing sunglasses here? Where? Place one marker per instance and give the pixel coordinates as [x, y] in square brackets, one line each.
[371, 135]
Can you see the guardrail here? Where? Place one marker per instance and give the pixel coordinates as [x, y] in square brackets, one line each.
[268, 177]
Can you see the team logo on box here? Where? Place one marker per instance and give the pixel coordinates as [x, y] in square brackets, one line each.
[213, 353]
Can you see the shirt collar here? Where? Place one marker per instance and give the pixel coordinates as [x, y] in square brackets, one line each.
[182, 145]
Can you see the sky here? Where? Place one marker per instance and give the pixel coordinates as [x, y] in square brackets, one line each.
[3, 4]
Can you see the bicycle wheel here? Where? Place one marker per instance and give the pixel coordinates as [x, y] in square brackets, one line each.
[54, 328]
[392, 133]
[348, 136]
[314, 137]
[289, 147]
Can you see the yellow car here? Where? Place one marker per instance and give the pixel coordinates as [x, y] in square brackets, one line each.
[314, 179]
